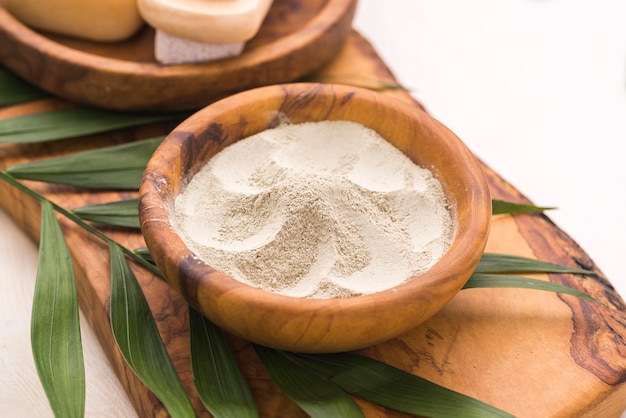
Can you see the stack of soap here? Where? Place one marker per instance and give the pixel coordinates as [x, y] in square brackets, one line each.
[202, 30]
[93, 20]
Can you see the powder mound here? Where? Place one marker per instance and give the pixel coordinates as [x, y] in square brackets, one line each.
[321, 210]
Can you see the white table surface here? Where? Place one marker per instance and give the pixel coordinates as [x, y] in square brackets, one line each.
[537, 89]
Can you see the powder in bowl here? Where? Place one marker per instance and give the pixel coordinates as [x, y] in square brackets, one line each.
[319, 210]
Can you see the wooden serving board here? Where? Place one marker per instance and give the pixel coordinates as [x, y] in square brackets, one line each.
[531, 353]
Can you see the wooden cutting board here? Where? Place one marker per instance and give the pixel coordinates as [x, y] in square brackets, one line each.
[531, 353]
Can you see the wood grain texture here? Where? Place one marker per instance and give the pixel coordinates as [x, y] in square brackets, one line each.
[295, 39]
[534, 354]
[314, 325]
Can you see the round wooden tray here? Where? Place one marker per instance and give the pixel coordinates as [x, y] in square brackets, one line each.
[296, 38]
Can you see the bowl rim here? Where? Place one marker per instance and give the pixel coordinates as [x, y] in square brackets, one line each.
[203, 286]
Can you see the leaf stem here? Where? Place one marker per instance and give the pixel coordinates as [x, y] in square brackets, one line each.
[4, 175]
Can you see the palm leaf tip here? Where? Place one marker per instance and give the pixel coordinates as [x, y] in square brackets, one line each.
[501, 207]
[55, 324]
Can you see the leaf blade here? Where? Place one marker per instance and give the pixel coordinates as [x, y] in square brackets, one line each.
[394, 388]
[116, 167]
[124, 213]
[144, 254]
[55, 324]
[14, 90]
[71, 123]
[501, 207]
[503, 263]
[483, 280]
[222, 388]
[316, 395]
[138, 338]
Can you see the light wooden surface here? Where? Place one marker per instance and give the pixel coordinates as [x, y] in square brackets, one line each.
[20, 394]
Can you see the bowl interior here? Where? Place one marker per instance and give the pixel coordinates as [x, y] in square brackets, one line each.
[314, 325]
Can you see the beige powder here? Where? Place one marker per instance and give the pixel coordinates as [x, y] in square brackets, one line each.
[320, 210]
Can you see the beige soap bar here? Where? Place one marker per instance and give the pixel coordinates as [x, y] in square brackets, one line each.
[207, 21]
[94, 20]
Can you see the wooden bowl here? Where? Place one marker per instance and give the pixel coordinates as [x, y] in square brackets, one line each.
[314, 325]
[296, 38]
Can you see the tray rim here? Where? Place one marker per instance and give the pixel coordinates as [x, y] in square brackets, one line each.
[322, 32]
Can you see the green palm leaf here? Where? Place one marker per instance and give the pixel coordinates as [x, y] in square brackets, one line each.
[500, 207]
[117, 167]
[315, 394]
[55, 325]
[217, 377]
[144, 254]
[501, 263]
[138, 338]
[72, 122]
[480, 280]
[123, 213]
[393, 388]
[14, 90]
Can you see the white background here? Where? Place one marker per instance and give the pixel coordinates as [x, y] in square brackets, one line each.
[537, 89]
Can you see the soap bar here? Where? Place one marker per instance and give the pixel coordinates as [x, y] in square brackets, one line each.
[93, 20]
[170, 49]
[208, 21]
